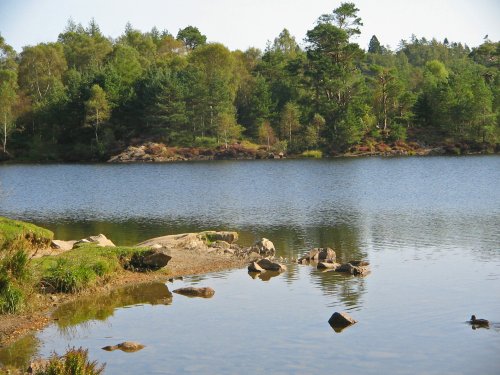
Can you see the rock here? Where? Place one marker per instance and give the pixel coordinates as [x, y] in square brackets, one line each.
[62, 245]
[268, 265]
[153, 260]
[263, 247]
[156, 260]
[204, 292]
[340, 320]
[318, 254]
[354, 267]
[228, 237]
[328, 265]
[100, 240]
[127, 346]
[254, 267]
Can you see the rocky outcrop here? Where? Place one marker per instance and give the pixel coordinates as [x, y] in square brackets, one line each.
[204, 292]
[339, 321]
[127, 346]
[318, 254]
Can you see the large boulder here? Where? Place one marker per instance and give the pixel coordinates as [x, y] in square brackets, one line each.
[318, 254]
[263, 247]
[205, 292]
[340, 320]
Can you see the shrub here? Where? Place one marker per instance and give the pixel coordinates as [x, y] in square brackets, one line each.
[316, 154]
[74, 362]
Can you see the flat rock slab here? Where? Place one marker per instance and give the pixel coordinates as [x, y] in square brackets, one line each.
[204, 292]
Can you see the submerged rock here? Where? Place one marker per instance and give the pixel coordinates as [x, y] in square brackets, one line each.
[205, 292]
[126, 346]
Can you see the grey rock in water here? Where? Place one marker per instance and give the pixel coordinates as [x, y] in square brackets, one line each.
[205, 292]
[126, 346]
[355, 267]
[340, 320]
[269, 265]
[318, 254]
[264, 247]
[328, 265]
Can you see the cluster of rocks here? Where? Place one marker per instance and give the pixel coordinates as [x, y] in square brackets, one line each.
[152, 152]
[325, 258]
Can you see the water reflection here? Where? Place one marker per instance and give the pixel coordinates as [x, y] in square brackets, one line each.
[20, 352]
[101, 307]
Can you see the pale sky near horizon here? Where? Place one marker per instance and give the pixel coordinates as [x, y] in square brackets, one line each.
[240, 24]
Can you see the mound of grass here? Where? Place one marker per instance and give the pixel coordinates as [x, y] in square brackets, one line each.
[14, 229]
[73, 362]
[83, 267]
[315, 154]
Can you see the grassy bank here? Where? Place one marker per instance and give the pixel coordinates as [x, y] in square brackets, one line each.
[22, 277]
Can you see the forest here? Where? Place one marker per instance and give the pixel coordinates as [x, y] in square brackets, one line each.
[86, 96]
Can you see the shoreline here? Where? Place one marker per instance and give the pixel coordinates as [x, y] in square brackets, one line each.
[13, 327]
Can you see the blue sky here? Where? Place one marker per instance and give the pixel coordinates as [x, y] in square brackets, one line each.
[240, 24]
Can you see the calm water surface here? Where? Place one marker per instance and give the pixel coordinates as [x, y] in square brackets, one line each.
[429, 227]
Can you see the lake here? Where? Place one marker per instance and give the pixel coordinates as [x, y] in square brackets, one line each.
[430, 228]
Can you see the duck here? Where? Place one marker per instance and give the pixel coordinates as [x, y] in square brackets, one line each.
[479, 322]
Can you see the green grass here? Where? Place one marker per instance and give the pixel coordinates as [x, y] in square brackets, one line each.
[13, 229]
[15, 275]
[315, 154]
[83, 267]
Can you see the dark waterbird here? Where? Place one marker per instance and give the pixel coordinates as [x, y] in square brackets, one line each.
[478, 322]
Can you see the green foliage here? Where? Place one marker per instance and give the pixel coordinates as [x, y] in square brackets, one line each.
[55, 97]
[73, 362]
[315, 154]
